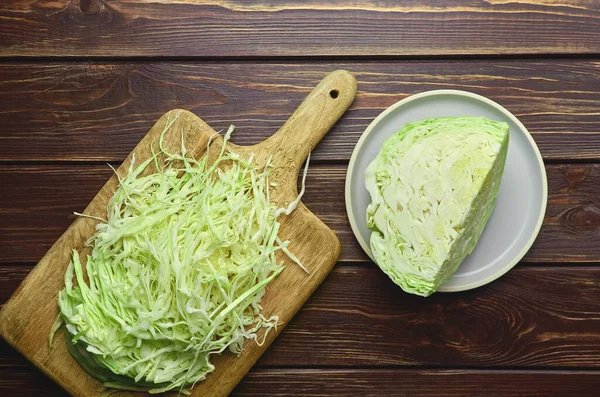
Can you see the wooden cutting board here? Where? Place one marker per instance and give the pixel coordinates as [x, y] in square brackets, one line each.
[26, 319]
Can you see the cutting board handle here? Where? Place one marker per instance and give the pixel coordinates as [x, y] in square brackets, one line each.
[314, 117]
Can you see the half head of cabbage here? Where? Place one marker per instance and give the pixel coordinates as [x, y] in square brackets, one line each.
[433, 187]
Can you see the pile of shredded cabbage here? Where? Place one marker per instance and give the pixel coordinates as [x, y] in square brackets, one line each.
[176, 274]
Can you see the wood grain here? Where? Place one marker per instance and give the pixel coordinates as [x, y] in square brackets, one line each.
[82, 81]
[530, 318]
[542, 317]
[27, 381]
[10, 278]
[39, 206]
[26, 319]
[238, 28]
[99, 111]
[415, 383]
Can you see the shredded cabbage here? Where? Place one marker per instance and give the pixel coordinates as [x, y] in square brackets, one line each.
[433, 187]
[176, 274]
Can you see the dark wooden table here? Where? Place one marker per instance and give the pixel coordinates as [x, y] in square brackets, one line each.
[82, 81]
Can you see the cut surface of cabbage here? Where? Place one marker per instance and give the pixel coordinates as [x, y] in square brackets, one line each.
[433, 187]
[176, 273]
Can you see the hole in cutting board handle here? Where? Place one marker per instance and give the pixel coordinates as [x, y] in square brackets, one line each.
[334, 93]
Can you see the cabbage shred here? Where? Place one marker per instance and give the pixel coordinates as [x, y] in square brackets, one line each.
[176, 274]
[433, 187]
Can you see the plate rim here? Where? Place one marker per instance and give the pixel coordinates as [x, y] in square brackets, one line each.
[367, 132]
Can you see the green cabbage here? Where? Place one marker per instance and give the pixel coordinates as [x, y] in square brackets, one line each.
[433, 187]
[176, 274]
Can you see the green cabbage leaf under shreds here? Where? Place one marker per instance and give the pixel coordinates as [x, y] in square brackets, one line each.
[176, 273]
[433, 187]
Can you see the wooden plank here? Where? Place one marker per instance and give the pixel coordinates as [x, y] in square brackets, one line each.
[99, 111]
[531, 317]
[41, 200]
[27, 381]
[220, 28]
[418, 383]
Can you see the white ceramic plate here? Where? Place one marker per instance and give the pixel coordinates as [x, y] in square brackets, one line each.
[521, 204]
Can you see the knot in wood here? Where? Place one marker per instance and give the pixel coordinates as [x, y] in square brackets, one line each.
[90, 7]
